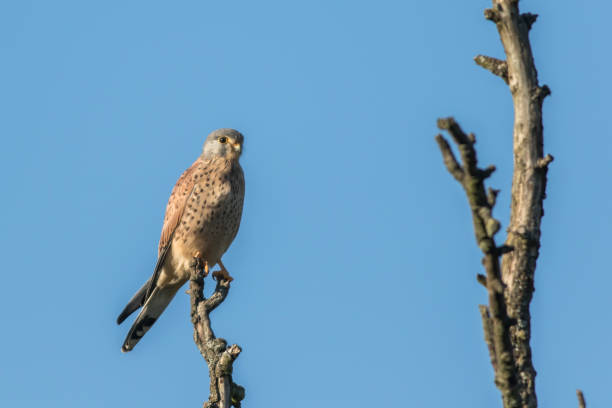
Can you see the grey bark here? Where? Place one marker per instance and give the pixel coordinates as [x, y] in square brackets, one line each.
[496, 321]
[528, 182]
[224, 393]
[506, 320]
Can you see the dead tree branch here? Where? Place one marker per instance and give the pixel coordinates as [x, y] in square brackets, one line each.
[224, 393]
[495, 318]
[494, 65]
[528, 182]
[506, 320]
[581, 401]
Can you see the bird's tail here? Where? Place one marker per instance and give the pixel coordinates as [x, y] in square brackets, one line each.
[153, 308]
[135, 302]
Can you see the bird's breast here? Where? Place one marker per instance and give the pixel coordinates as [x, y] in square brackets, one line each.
[212, 215]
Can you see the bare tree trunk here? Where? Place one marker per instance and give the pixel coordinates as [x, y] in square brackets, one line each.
[219, 357]
[506, 320]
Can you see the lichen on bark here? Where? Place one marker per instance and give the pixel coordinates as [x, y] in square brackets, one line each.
[506, 320]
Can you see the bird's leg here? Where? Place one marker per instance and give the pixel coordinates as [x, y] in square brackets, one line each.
[223, 274]
[199, 264]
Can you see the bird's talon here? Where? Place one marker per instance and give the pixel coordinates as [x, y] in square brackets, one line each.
[222, 275]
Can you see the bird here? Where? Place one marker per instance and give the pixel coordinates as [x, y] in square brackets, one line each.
[202, 218]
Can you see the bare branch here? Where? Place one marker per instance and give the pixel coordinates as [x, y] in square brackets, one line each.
[543, 162]
[492, 14]
[506, 320]
[581, 401]
[494, 65]
[449, 159]
[528, 184]
[496, 322]
[218, 296]
[219, 357]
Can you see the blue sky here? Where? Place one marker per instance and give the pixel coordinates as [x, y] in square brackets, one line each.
[355, 263]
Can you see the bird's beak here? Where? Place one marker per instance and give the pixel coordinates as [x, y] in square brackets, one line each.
[237, 147]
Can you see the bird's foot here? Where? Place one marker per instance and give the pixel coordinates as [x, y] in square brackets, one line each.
[223, 274]
[199, 264]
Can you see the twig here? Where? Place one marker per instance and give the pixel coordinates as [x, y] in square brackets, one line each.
[581, 401]
[507, 321]
[496, 322]
[219, 357]
[494, 65]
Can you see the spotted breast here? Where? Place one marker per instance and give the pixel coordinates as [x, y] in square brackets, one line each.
[211, 217]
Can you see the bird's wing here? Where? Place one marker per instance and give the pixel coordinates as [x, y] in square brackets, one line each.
[174, 211]
[176, 204]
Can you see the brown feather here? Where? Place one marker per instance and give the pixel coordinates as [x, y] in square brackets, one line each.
[177, 202]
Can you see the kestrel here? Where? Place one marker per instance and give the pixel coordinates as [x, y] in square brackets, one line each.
[202, 219]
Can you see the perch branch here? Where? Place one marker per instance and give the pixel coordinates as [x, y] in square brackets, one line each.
[224, 393]
[496, 322]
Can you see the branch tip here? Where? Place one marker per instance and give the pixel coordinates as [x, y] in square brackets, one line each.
[449, 124]
[492, 15]
[543, 91]
[446, 123]
[495, 66]
[234, 350]
[486, 173]
[581, 401]
[543, 162]
[504, 249]
[529, 19]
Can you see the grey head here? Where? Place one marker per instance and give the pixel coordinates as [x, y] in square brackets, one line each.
[225, 143]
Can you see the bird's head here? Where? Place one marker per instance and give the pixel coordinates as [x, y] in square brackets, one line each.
[226, 143]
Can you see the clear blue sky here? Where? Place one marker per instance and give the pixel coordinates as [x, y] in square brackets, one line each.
[355, 264]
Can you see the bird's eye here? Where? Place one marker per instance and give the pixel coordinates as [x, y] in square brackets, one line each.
[223, 139]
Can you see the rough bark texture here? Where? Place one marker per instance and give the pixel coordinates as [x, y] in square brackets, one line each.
[506, 320]
[528, 183]
[219, 357]
[495, 318]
